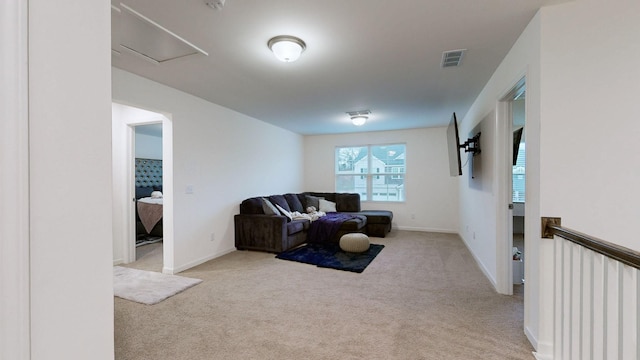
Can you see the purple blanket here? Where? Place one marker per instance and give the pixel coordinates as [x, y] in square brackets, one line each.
[326, 227]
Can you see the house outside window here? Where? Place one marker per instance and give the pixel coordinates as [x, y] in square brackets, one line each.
[376, 172]
[519, 176]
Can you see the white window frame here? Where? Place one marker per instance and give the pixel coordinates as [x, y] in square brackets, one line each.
[394, 173]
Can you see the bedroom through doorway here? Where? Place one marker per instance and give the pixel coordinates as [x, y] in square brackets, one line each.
[149, 196]
[142, 181]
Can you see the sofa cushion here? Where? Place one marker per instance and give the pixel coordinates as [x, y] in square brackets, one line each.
[294, 202]
[377, 216]
[323, 195]
[348, 202]
[295, 226]
[251, 206]
[354, 225]
[280, 200]
[268, 208]
[284, 212]
[312, 201]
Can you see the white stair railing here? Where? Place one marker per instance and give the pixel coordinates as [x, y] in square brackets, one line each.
[597, 288]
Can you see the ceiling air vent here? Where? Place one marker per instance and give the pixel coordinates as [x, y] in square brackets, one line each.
[452, 58]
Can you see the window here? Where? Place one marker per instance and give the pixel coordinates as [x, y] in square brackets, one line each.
[385, 181]
[519, 176]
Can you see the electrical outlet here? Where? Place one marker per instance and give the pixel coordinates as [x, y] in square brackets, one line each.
[213, 237]
[413, 216]
[474, 235]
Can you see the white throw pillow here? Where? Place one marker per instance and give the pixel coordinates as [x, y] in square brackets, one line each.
[327, 206]
[156, 195]
[284, 212]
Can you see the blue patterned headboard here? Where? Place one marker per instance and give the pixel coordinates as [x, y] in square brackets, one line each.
[148, 172]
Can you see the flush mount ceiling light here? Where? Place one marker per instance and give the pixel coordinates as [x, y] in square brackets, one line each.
[358, 118]
[287, 48]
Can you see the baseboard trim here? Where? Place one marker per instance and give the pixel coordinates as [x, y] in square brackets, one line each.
[541, 357]
[118, 262]
[544, 351]
[481, 265]
[532, 339]
[194, 263]
[421, 229]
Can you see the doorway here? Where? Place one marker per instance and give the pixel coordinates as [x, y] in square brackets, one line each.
[130, 123]
[148, 183]
[518, 186]
[510, 167]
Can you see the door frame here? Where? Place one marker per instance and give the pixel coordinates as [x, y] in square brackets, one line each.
[125, 182]
[15, 263]
[504, 169]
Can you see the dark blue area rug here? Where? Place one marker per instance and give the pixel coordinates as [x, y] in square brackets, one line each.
[328, 255]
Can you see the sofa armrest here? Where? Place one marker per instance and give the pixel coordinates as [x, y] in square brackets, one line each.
[260, 232]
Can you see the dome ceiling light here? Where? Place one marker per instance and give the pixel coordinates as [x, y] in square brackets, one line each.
[358, 118]
[286, 48]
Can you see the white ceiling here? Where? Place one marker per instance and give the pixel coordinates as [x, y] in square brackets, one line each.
[383, 56]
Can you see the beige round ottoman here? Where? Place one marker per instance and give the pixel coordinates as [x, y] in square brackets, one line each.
[354, 242]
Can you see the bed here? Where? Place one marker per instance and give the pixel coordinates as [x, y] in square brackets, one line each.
[148, 200]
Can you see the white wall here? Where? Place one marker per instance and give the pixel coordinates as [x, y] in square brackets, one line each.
[482, 201]
[581, 164]
[224, 155]
[148, 146]
[589, 156]
[432, 195]
[70, 180]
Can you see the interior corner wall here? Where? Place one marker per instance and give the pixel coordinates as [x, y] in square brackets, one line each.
[432, 194]
[479, 204]
[70, 180]
[224, 156]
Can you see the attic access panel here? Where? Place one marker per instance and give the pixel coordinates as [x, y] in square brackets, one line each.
[146, 38]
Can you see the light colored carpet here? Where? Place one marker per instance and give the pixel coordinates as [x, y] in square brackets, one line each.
[148, 257]
[148, 287]
[423, 297]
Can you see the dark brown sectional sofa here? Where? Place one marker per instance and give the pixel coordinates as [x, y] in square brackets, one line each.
[254, 230]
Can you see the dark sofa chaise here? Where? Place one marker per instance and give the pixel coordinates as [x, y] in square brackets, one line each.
[254, 230]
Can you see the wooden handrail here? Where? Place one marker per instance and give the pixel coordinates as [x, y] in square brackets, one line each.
[551, 227]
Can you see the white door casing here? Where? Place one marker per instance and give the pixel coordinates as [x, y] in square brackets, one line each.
[14, 183]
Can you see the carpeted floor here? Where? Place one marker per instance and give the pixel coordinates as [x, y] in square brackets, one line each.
[422, 298]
